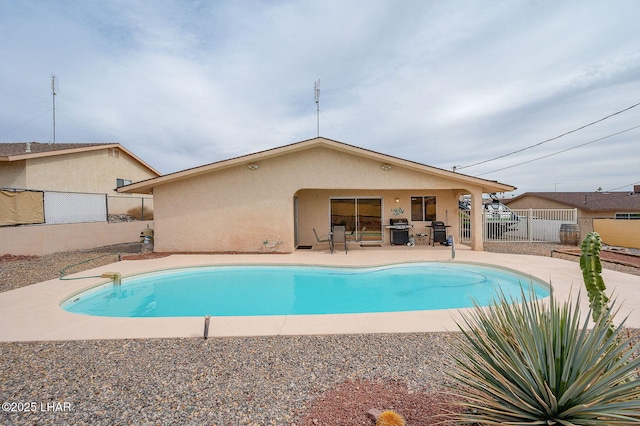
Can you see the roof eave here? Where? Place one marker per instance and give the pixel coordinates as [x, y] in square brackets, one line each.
[31, 155]
[147, 185]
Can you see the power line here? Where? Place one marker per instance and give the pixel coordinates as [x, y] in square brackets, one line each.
[338, 133]
[560, 152]
[24, 124]
[623, 186]
[549, 140]
[70, 119]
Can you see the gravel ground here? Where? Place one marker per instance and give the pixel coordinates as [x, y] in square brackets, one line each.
[231, 381]
[546, 249]
[279, 380]
[19, 271]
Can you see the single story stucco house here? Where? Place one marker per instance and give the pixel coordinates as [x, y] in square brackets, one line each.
[278, 196]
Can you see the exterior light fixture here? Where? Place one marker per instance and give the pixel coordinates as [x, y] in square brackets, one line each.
[253, 166]
[385, 167]
[397, 200]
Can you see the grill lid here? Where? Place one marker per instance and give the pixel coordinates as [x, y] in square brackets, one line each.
[399, 221]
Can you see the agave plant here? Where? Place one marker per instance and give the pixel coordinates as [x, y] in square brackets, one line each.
[538, 363]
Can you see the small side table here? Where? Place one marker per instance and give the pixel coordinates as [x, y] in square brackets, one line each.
[422, 239]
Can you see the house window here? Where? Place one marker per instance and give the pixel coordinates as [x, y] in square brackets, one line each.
[423, 209]
[627, 215]
[122, 182]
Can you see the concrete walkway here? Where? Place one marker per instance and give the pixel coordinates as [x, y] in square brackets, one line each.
[33, 313]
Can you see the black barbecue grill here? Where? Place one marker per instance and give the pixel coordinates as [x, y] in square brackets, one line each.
[399, 230]
[438, 233]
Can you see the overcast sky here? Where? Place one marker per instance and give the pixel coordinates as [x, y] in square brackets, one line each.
[445, 83]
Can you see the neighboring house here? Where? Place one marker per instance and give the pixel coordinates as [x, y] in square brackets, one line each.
[32, 173]
[275, 198]
[590, 205]
[70, 167]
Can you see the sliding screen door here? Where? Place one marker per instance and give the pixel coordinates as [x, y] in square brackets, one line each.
[358, 213]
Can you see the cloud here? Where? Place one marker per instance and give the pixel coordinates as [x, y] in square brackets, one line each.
[444, 83]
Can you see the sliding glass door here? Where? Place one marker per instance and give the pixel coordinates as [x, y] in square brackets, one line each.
[370, 217]
[358, 213]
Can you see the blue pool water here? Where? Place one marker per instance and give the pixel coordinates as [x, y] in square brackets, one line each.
[301, 290]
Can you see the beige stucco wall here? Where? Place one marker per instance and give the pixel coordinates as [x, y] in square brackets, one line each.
[237, 209]
[314, 209]
[88, 171]
[586, 219]
[39, 240]
[13, 174]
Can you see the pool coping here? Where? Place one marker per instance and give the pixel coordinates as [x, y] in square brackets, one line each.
[33, 313]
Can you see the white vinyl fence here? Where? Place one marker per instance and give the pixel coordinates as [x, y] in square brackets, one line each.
[523, 225]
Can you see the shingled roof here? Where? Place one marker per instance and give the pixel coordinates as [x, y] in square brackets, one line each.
[21, 148]
[147, 185]
[590, 201]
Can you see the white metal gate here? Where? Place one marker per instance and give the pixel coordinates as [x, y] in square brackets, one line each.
[524, 225]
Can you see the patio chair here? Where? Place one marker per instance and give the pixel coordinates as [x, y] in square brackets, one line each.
[358, 239]
[339, 236]
[325, 239]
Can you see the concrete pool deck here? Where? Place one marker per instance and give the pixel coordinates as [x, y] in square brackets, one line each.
[33, 313]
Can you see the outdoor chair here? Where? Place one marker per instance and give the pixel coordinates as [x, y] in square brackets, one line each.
[358, 239]
[325, 239]
[339, 236]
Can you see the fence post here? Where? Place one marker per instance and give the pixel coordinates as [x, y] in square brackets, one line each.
[142, 214]
[530, 224]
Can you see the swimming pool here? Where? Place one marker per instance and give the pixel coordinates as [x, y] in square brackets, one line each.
[301, 290]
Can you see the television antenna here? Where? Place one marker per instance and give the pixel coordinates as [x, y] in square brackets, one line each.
[53, 98]
[316, 92]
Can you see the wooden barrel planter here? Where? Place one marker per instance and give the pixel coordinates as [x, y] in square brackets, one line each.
[570, 234]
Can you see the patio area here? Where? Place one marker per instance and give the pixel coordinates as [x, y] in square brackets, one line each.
[32, 313]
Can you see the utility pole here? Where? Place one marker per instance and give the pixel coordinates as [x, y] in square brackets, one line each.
[316, 90]
[53, 96]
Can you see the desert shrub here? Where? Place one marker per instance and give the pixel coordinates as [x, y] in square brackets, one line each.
[538, 363]
[136, 213]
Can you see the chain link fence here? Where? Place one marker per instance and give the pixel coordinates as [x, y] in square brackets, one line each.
[77, 207]
[74, 207]
[127, 208]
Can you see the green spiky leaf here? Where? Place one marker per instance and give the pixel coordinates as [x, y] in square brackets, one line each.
[538, 363]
